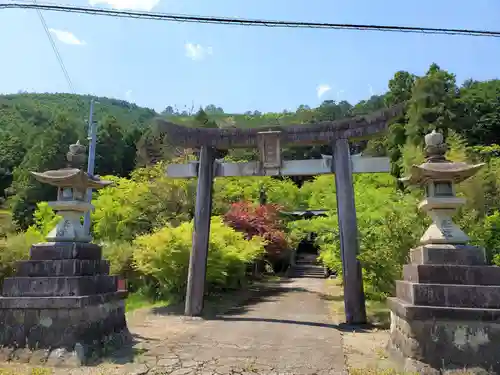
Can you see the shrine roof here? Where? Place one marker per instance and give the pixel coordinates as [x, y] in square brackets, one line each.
[322, 132]
[305, 213]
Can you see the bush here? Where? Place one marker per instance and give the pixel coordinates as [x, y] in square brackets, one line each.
[164, 256]
[120, 255]
[135, 206]
[256, 220]
[13, 249]
[389, 226]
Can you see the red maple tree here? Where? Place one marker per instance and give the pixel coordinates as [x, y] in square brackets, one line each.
[259, 220]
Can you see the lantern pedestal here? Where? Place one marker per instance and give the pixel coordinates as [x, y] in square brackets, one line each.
[62, 307]
[446, 312]
[442, 230]
[70, 227]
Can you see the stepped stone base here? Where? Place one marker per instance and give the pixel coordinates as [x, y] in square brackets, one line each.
[446, 314]
[431, 339]
[62, 308]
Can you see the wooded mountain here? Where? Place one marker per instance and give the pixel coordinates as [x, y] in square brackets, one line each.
[36, 129]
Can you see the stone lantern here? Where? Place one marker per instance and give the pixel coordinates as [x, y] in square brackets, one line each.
[447, 307]
[62, 307]
[71, 203]
[438, 176]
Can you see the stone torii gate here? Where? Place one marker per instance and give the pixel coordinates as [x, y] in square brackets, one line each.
[342, 164]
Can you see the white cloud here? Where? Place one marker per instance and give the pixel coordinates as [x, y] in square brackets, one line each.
[322, 89]
[66, 37]
[197, 51]
[128, 95]
[370, 87]
[145, 5]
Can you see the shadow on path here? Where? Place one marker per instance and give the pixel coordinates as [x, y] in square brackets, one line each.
[341, 327]
[234, 302]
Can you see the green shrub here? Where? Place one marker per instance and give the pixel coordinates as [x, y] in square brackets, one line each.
[13, 249]
[389, 226]
[16, 246]
[139, 205]
[45, 219]
[164, 255]
[120, 255]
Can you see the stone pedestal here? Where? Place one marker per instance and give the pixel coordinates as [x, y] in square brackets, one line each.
[446, 313]
[62, 307]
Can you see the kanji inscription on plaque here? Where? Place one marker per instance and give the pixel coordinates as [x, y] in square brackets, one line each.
[270, 149]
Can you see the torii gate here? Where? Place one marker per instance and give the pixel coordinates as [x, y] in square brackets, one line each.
[342, 164]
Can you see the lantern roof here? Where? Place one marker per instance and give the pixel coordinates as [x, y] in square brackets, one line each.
[72, 176]
[437, 167]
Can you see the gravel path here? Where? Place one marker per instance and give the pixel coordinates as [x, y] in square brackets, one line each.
[285, 330]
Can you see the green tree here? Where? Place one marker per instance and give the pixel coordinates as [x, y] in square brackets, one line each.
[479, 112]
[48, 152]
[432, 104]
[110, 148]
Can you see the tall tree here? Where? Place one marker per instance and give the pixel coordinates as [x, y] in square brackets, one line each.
[110, 149]
[400, 91]
[48, 152]
[479, 112]
[432, 104]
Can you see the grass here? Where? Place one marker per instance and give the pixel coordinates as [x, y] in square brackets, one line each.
[377, 312]
[6, 221]
[138, 301]
[34, 371]
[374, 371]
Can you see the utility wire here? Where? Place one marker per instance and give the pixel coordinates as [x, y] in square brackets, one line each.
[244, 21]
[54, 47]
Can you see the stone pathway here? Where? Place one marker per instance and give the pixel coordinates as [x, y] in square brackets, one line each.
[285, 332]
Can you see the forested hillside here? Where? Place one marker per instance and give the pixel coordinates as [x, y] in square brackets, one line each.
[144, 220]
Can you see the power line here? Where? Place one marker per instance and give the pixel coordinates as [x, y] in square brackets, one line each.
[245, 21]
[54, 48]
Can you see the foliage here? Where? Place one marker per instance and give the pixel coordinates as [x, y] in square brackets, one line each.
[389, 226]
[146, 201]
[478, 106]
[164, 255]
[120, 255]
[48, 152]
[262, 221]
[231, 190]
[13, 249]
[143, 221]
[487, 235]
[44, 221]
[431, 105]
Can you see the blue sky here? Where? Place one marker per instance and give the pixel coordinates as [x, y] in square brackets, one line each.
[155, 64]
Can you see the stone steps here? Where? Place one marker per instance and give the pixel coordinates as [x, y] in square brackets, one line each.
[307, 271]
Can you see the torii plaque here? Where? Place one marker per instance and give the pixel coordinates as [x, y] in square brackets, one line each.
[269, 143]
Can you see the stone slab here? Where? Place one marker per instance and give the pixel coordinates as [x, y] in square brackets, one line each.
[65, 250]
[451, 295]
[62, 267]
[61, 328]
[288, 168]
[451, 274]
[448, 254]
[60, 302]
[59, 286]
[447, 344]
[409, 311]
